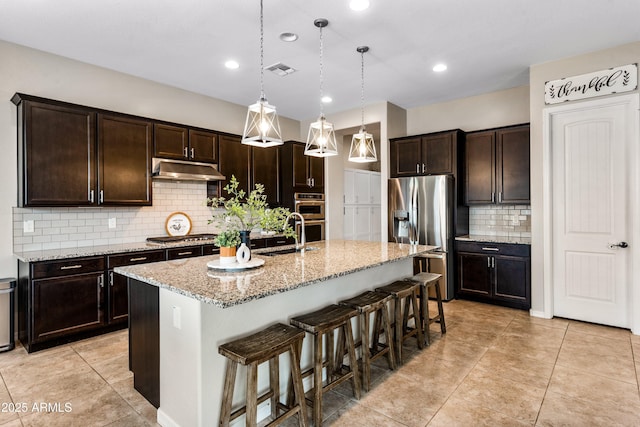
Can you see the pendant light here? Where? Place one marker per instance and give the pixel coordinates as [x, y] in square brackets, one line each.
[363, 149]
[262, 128]
[321, 141]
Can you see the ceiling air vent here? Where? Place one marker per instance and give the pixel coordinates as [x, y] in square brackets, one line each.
[280, 69]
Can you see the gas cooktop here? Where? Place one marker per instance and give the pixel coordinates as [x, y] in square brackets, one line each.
[179, 239]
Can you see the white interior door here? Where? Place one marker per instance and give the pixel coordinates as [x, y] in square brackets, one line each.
[590, 151]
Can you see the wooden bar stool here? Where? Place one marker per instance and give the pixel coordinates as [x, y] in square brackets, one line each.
[253, 350]
[428, 280]
[375, 303]
[324, 322]
[408, 291]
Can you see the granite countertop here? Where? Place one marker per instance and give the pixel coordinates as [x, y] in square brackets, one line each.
[332, 258]
[85, 251]
[495, 239]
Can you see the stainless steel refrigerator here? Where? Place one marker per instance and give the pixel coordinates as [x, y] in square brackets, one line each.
[424, 210]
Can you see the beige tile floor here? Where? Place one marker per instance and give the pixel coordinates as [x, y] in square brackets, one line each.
[494, 367]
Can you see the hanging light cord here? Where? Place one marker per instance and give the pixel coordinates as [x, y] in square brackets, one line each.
[321, 49]
[261, 51]
[362, 87]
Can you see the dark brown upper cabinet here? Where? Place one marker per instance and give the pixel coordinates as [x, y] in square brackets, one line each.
[498, 166]
[300, 173]
[56, 154]
[124, 160]
[173, 141]
[430, 154]
[235, 159]
[71, 155]
[265, 169]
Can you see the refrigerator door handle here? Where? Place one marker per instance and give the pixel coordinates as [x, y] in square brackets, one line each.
[414, 226]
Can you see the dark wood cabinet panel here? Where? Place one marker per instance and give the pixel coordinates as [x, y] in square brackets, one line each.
[498, 166]
[300, 166]
[56, 154]
[431, 154]
[300, 173]
[480, 168]
[203, 146]
[66, 305]
[513, 165]
[170, 141]
[495, 273]
[406, 157]
[234, 160]
[265, 169]
[144, 339]
[184, 252]
[316, 173]
[439, 154]
[124, 160]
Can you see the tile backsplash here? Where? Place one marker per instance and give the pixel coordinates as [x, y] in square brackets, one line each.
[500, 220]
[56, 228]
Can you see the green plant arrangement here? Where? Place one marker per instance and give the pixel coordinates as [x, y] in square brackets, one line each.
[227, 239]
[244, 212]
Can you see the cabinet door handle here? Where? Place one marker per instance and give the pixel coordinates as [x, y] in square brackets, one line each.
[424, 167]
[493, 262]
[101, 281]
[101, 196]
[185, 253]
[140, 258]
[488, 262]
[491, 249]
[313, 182]
[193, 152]
[91, 196]
[71, 267]
[111, 278]
[417, 167]
[493, 197]
[500, 197]
[185, 152]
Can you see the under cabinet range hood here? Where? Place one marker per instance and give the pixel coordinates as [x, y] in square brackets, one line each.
[181, 170]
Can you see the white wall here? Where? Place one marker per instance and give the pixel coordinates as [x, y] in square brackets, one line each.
[539, 74]
[37, 73]
[495, 109]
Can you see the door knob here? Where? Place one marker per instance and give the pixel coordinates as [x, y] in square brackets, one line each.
[618, 245]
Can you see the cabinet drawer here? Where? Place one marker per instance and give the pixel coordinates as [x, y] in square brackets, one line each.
[134, 258]
[184, 252]
[279, 241]
[67, 267]
[258, 243]
[210, 250]
[490, 248]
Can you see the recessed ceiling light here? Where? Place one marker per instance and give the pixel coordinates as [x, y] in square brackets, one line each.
[288, 37]
[359, 5]
[438, 68]
[326, 99]
[231, 64]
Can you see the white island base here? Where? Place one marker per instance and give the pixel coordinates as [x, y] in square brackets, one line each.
[193, 324]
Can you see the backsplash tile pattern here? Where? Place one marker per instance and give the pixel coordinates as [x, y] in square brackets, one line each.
[56, 228]
[500, 220]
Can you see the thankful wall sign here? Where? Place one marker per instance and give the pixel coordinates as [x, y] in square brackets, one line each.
[605, 82]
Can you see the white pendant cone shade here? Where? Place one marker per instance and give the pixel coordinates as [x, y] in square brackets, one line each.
[363, 149]
[321, 141]
[262, 128]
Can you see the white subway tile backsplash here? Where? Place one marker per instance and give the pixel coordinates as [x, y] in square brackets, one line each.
[500, 220]
[57, 228]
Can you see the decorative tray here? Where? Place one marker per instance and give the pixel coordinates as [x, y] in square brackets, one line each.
[236, 266]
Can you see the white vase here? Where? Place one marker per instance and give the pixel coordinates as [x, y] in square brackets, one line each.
[243, 254]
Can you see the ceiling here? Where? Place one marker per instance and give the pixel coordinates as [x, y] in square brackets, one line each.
[488, 45]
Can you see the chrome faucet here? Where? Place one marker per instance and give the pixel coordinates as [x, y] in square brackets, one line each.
[300, 246]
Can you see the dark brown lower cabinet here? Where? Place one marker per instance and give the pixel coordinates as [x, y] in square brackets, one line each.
[495, 273]
[144, 339]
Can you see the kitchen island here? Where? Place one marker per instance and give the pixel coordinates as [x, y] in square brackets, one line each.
[199, 309]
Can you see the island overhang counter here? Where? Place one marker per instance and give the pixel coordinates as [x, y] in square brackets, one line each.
[182, 311]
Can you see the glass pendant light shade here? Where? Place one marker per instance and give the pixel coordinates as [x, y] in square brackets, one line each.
[363, 148]
[262, 128]
[321, 141]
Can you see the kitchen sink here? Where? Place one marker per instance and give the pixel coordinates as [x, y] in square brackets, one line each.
[287, 251]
